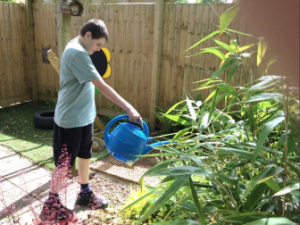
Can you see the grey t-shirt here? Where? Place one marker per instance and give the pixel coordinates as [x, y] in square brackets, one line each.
[76, 97]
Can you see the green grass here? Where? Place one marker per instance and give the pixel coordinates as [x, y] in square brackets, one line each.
[18, 133]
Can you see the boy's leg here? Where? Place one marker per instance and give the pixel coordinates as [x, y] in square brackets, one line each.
[83, 170]
[86, 197]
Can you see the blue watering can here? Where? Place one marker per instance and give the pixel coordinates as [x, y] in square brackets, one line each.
[127, 142]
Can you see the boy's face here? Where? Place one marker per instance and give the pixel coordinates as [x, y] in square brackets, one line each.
[93, 45]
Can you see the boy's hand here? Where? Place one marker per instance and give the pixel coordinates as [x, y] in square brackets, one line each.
[134, 116]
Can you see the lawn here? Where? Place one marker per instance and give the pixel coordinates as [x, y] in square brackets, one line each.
[18, 133]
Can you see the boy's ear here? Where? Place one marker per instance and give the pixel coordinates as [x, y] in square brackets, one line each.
[88, 34]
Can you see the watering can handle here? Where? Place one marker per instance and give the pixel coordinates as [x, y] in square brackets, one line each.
[118, 118]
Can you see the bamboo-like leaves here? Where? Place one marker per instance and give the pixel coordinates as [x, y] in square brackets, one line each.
[210, 50]
[266, 129]
[227, 17]
[178, 222]
[226, 65]
[197, 203]
[288, 189]
[244, 218]
[242, 150]
[267, 173]
[213, 106]
[272, 221]
[203, 39]
[232, 71]
[166, 196]
[254, 197]
[266, 81]
[263, 97]
[191, 109]
[174, 106]
[177, 119]
[262, 48]
[137, 201]
[181, 133]
[224, 45]
[180, 171]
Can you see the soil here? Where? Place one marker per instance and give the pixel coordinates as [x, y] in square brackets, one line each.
[116, 191]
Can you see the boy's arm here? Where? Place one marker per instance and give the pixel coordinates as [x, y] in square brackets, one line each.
[112, 95]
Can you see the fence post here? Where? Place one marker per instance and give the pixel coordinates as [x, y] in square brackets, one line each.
[156, 59]
[31, 57]
[63, 28]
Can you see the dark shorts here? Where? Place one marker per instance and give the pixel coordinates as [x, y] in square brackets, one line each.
[78, 142]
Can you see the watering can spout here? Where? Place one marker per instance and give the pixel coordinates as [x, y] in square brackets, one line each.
[149, 148]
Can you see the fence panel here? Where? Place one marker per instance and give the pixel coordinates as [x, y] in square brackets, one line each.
[14, 78]
[130, 27]
[184, 25]
[45, 38]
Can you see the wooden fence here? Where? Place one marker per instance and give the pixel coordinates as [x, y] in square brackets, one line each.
[132, 30]
[14, 78]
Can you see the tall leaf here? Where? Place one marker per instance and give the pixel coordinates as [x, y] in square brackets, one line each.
[212, 94]
[177, 119]
[254, 197]
[196, 201]
[262, 47]
[224, 45]
[203, 39]
[244, 154]
[267, 173]
[239, 32]
[205, 121]
[180, 171]
[174, 106]
[227, 17]
[223, 68]
[274, 121]
[243, 218]
[288, 189]
[165, 197]
[205, 87]
[243, 48]
[272, 221]
[180, 133]
[160, 166]
[210, 50]
[191, 109]
[213, 106]
[178, 222]
[264, 96]
[273, 185]
[232, 71]
[266, 82]
[137, 201]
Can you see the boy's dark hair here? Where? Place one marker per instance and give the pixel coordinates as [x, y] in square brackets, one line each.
[96, 27]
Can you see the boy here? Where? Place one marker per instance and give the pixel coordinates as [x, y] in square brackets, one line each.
[74, 117]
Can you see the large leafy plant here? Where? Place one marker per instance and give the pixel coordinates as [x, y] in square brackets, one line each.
[238, 164]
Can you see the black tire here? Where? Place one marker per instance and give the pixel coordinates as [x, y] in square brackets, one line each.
[44, 119]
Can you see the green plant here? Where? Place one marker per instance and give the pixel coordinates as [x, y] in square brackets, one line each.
[181, 1]
[211, 1]
[136, 201]
[7, 1]
[50, 104]
[237, 165]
